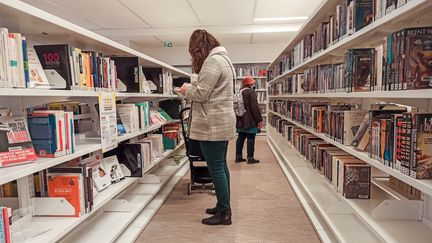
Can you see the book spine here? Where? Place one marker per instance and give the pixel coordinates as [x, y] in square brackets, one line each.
[6, 222]
[25, 62]
[414, 137]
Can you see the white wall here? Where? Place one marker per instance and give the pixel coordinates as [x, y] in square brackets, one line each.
[248, 53]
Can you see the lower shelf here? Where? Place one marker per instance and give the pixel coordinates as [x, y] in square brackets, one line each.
[53, 229]
[109, 225]
[353, 220]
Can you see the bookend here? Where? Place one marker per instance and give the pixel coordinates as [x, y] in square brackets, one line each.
[23, 227]
[120, 205]
[52, 206]
[399, 209]
[149, 179]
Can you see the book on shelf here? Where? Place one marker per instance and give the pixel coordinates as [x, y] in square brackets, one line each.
[113, 168]
[101, 178]
[5, 224]
[37, 76]
[15, 141]
[52, 132]
[133, 157]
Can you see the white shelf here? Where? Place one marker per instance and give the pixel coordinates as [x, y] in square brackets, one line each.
[261, 90]
[108, 226]
[140, 222]
[86, 146]
[165, 155]
[261, 77]
[62, 226]
[423, 185]
[33, 23]
[8, 174]
[330, 202]
[8, 92]
[400, 94]
[368, 36]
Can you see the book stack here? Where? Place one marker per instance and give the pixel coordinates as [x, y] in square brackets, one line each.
[348, 175]
[5, 224]
[15, 141]
[52, 132]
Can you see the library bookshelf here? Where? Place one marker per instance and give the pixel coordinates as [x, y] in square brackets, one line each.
[387, 216]
[120, 210]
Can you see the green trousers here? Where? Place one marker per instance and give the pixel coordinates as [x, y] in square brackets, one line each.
[215, 154]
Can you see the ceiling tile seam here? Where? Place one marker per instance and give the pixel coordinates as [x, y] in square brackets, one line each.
[157, 38]
[194, 12]
[66, 10]
[251, 38]
[134, 13]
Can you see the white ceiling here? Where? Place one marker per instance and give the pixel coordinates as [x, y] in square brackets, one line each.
[147, 23]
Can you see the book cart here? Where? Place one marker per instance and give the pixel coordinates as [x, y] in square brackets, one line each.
[387, 216]
[121, 211]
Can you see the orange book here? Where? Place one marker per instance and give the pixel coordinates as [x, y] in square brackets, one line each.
[383, 137]
[68, 187]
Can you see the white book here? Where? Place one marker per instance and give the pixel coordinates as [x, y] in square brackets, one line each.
[113, 75]
[13, 61]
[38, 78]
[20, 83]
[4, 38]
[100, 176]
[112, 167]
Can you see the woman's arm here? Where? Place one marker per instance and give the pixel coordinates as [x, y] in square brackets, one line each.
[207, 79]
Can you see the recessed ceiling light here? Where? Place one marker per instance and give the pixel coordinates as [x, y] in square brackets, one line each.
[280, 19]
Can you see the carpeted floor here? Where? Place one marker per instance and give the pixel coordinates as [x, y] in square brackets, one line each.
[264, 208]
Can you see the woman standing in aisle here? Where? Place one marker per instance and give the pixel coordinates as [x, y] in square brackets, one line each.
[213, 117]
[249, 124]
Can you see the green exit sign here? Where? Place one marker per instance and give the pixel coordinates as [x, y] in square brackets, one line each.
[168, 44]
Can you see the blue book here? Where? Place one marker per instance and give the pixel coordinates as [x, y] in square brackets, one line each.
[43, 133]
[26, 64]
[2, 227]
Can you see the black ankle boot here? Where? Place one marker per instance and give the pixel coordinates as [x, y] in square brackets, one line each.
[212, 211]
[251, 160]
[220, 218]
[239, 159]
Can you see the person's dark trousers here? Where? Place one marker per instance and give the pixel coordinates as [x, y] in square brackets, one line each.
[250, 144]
[215, 155]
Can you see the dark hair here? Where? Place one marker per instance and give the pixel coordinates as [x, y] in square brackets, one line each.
[201, 43]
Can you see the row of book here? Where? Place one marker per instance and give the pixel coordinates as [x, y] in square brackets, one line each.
[261, 96]
[399, 63]
[348, 175]
[254, 70]
[348, 17]
[5, 224]
[397, 136]
[80, 181]
[62, 66]
[49, 130]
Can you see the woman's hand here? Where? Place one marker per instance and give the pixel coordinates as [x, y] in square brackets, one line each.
[260, 125]
[184, 88]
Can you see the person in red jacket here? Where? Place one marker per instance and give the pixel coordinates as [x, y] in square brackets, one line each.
[249, 124]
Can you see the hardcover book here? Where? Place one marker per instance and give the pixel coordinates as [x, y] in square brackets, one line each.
[112, 167]
[421, 164]
[100, 177]
[68, 187]
[357, 181]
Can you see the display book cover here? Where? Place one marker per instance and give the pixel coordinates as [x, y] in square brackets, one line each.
[421, 161]
[363, 13]
[57, 58]
[131, 156]
[357, 181]
[113, 168]
[418, 58]
[100, 176]
[362, 70]
[15, 142]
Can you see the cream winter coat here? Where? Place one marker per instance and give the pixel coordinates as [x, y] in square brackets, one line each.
[213, 117]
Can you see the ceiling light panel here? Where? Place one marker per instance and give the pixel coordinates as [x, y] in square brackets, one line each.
[224, 12]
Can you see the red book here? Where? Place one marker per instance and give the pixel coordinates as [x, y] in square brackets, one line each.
[6, 215]
[68, 187]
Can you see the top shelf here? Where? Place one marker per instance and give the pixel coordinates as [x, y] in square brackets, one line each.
[413, 13]
[252, 77]
[42, 27]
